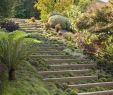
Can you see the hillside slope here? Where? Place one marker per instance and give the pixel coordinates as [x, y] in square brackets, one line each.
[27, 82]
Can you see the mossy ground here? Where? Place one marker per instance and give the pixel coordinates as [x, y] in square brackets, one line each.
[27, 82]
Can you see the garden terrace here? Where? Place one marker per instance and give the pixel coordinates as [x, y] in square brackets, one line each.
[79, 73]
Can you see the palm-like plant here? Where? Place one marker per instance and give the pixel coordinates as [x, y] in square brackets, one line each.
[15, 48]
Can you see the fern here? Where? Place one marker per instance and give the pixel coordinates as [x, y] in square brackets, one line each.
[15, 48]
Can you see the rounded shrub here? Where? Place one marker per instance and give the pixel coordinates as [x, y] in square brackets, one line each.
[58, 19]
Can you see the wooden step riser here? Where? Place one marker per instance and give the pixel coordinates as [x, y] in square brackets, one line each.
[48, 53]
[38, 24]
[29, 31]
[62, 61]
[49, 48]
[30, 27]
[90, 85]
[50, 45]
[70, 79]
[79, 72]
[32, 30]
[52, 56]
[73, 66]
[51, 51]
[47, 42]
[107, 92]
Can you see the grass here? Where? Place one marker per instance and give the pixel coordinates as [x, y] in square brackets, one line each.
[27, 82]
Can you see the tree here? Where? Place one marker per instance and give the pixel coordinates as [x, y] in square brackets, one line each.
[60, 6]
[25, 9]
[7, 8]
[15, 48]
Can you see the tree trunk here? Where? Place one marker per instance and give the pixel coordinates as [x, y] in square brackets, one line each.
[12, 74]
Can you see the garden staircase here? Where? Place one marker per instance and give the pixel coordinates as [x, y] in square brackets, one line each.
[76, 72]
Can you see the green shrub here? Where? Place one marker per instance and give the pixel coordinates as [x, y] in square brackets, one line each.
[63, 21]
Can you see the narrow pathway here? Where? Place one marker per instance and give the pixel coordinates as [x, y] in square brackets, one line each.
[78, 73]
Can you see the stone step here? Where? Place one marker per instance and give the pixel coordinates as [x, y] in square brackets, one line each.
[52, 56]
[61, 72]
[68, 79]
[72, 66]
[62, 61]
[106, 92]
[90, 85]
